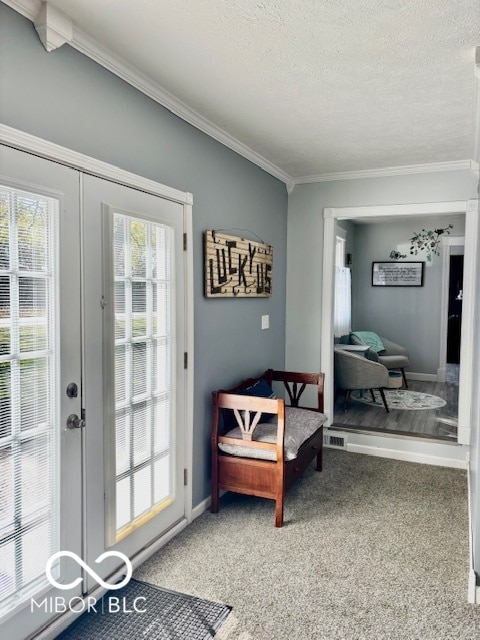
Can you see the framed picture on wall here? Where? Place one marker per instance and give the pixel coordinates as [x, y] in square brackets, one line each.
[397, 274]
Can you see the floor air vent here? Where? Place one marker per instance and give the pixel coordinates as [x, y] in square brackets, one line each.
[336, 442]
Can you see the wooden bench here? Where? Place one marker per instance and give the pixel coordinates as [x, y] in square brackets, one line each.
[261, 456]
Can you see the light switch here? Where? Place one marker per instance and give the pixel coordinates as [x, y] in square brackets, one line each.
[265, 322]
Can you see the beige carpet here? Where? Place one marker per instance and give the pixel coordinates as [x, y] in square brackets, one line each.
[371, 549]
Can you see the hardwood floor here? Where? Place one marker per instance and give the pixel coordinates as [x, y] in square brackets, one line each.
[439, 424]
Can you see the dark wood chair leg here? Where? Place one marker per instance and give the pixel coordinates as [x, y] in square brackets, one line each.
[320, 459]
[279, 511]
[382, 393]
[347, 397]
[373, 395]
[214, 502]
[404, 378]
[215, 499]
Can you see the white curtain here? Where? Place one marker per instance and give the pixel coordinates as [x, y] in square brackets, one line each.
[343, 302]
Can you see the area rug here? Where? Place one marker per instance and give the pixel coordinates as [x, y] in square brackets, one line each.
[400, 399]
[143, 610]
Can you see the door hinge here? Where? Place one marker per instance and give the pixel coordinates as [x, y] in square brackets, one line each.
[185, 360]
[184, 241]
[185, 477]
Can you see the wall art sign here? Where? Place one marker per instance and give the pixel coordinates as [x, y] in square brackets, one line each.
[397, 274]
[236, 267]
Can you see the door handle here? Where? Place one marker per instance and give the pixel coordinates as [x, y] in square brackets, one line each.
[74, 422]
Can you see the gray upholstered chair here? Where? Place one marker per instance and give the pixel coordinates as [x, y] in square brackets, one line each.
[355, 372]
[394, 356]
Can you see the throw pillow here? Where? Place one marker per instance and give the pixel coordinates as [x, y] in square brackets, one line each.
[369, 338]
[262, 390]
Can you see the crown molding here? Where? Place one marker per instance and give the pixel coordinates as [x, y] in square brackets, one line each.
[28, 8]
[93, 50]
[116, 65]
[86, 45]
[457, 165]
[54, 28]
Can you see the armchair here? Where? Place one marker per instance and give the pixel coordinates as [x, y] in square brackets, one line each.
[392, 356]
[354, 372]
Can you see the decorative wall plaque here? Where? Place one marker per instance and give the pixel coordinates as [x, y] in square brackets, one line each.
[237, 268]
[397, 274]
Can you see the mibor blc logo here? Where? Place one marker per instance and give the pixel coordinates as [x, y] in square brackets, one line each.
[95, 576]
[78, 604]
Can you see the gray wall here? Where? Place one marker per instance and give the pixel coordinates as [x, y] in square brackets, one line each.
[66, 98]
[410, 316]
[305, 241]
[304, 277]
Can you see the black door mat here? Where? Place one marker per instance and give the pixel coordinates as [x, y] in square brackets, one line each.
[145, 611]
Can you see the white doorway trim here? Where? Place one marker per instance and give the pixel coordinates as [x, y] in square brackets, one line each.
[467, 207]
[447, 243]
[32, 144]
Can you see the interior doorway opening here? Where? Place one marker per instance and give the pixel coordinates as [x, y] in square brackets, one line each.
[331, 216]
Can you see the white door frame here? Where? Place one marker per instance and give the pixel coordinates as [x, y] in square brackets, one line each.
[468, 207]
[50, 151]
[447, 244]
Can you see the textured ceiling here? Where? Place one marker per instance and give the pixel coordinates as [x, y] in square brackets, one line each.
[314, 86]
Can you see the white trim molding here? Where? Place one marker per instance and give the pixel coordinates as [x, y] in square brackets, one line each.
[424, 377]
[54, 28]
[80, 41]
[467, 207]
[470, 273]
[422, 209]
[90, 48]
[457, 165]
[403, 447]
[476, 124]
[51, 151]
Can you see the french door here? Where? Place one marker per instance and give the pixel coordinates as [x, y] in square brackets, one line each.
[40, 458]
[92, 383]
[134, 387]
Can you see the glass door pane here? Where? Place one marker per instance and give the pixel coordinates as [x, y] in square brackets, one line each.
[144, 369]
[40, 459]
[29, 371]
[135, 383]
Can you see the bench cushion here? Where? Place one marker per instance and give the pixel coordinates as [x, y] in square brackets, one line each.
[300, 424]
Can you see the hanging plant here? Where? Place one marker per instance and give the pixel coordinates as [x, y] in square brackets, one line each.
[428, 241]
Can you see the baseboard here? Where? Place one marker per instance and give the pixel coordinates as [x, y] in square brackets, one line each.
[425, 377]
[202, 506]
[407, 456]
[473, 591]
